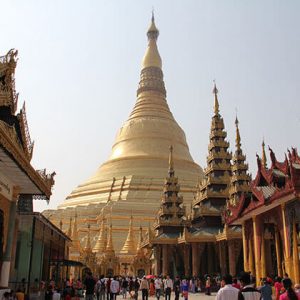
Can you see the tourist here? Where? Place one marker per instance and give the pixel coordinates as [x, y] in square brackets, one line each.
[158, 285]
[207, 286]
[168, 287]
[289, 293]
[297, 288]
[151, 288]
[20, 295]
[108, 282]
[266, 290]
[248, 292]
[114, 288]
[278, 286]
[49, 293]
[136, 287]
[192, 285]
[177, 287]
[227, 292]
[236, 284]
[56, 295]
[185, 289]
[124, 286]
[145, 288]
[100, 288]
[89, 286]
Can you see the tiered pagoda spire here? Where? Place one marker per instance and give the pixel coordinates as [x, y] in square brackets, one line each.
[213, 190]
[240, 178]
[100, 245]
[172, 211]
[129, 245]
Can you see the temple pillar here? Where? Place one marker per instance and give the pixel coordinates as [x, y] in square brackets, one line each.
[256, 252]
[288, 260]
[231, 255]
[251, 260]
[278, 254]
[245, 248]
[6, 259]
[295, 253]
[165, 260]
[195, 259]
[263, 257]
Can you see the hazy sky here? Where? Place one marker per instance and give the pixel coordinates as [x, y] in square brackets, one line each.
[79, 65]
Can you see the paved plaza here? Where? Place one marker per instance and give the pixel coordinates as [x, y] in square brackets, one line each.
[197, 296]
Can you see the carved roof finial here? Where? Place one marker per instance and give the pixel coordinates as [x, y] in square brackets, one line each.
[263, 156]
[216, 105]
[171, 162]
[238, 136]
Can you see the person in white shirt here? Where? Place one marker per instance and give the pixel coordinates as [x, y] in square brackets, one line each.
[227, 292]
[158, 286]
[114, 288]
[168, 288]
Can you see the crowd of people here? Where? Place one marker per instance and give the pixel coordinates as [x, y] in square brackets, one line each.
[161, 288]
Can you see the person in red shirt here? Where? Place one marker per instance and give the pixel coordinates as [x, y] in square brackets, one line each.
[278, 286]
[236, 284]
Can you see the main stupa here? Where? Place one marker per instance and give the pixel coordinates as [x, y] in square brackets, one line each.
[130, 182]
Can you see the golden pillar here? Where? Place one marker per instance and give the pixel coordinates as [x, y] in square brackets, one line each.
[278, 256]
[295, 253]
[256, 253]
[288, 260]
[245, 249]
[251, 260]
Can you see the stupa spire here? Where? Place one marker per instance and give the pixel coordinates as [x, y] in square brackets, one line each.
[239, 182]
[171, 210]
[100, 245]
[140, 240]
[88, 247]
[152, 57]
[110, 245]
[129, 245]
[263, 157]
[238, 137]
[171, 162]
[216, 105]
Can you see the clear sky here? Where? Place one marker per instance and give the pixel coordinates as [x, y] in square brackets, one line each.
[79, 65]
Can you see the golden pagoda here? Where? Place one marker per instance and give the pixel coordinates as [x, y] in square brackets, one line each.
[130, 180]
[239, 182]
[213, 190]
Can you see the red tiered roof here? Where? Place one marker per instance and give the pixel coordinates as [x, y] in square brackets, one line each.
[281, 180]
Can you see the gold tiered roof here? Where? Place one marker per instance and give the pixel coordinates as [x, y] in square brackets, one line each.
[213, 190]
[240, 178]
[110, 246]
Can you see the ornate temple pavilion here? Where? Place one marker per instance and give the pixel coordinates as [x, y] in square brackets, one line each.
[20, 184]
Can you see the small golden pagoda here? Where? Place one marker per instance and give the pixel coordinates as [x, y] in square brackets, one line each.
[230, 238]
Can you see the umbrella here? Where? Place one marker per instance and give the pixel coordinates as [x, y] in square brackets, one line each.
[150, 276]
